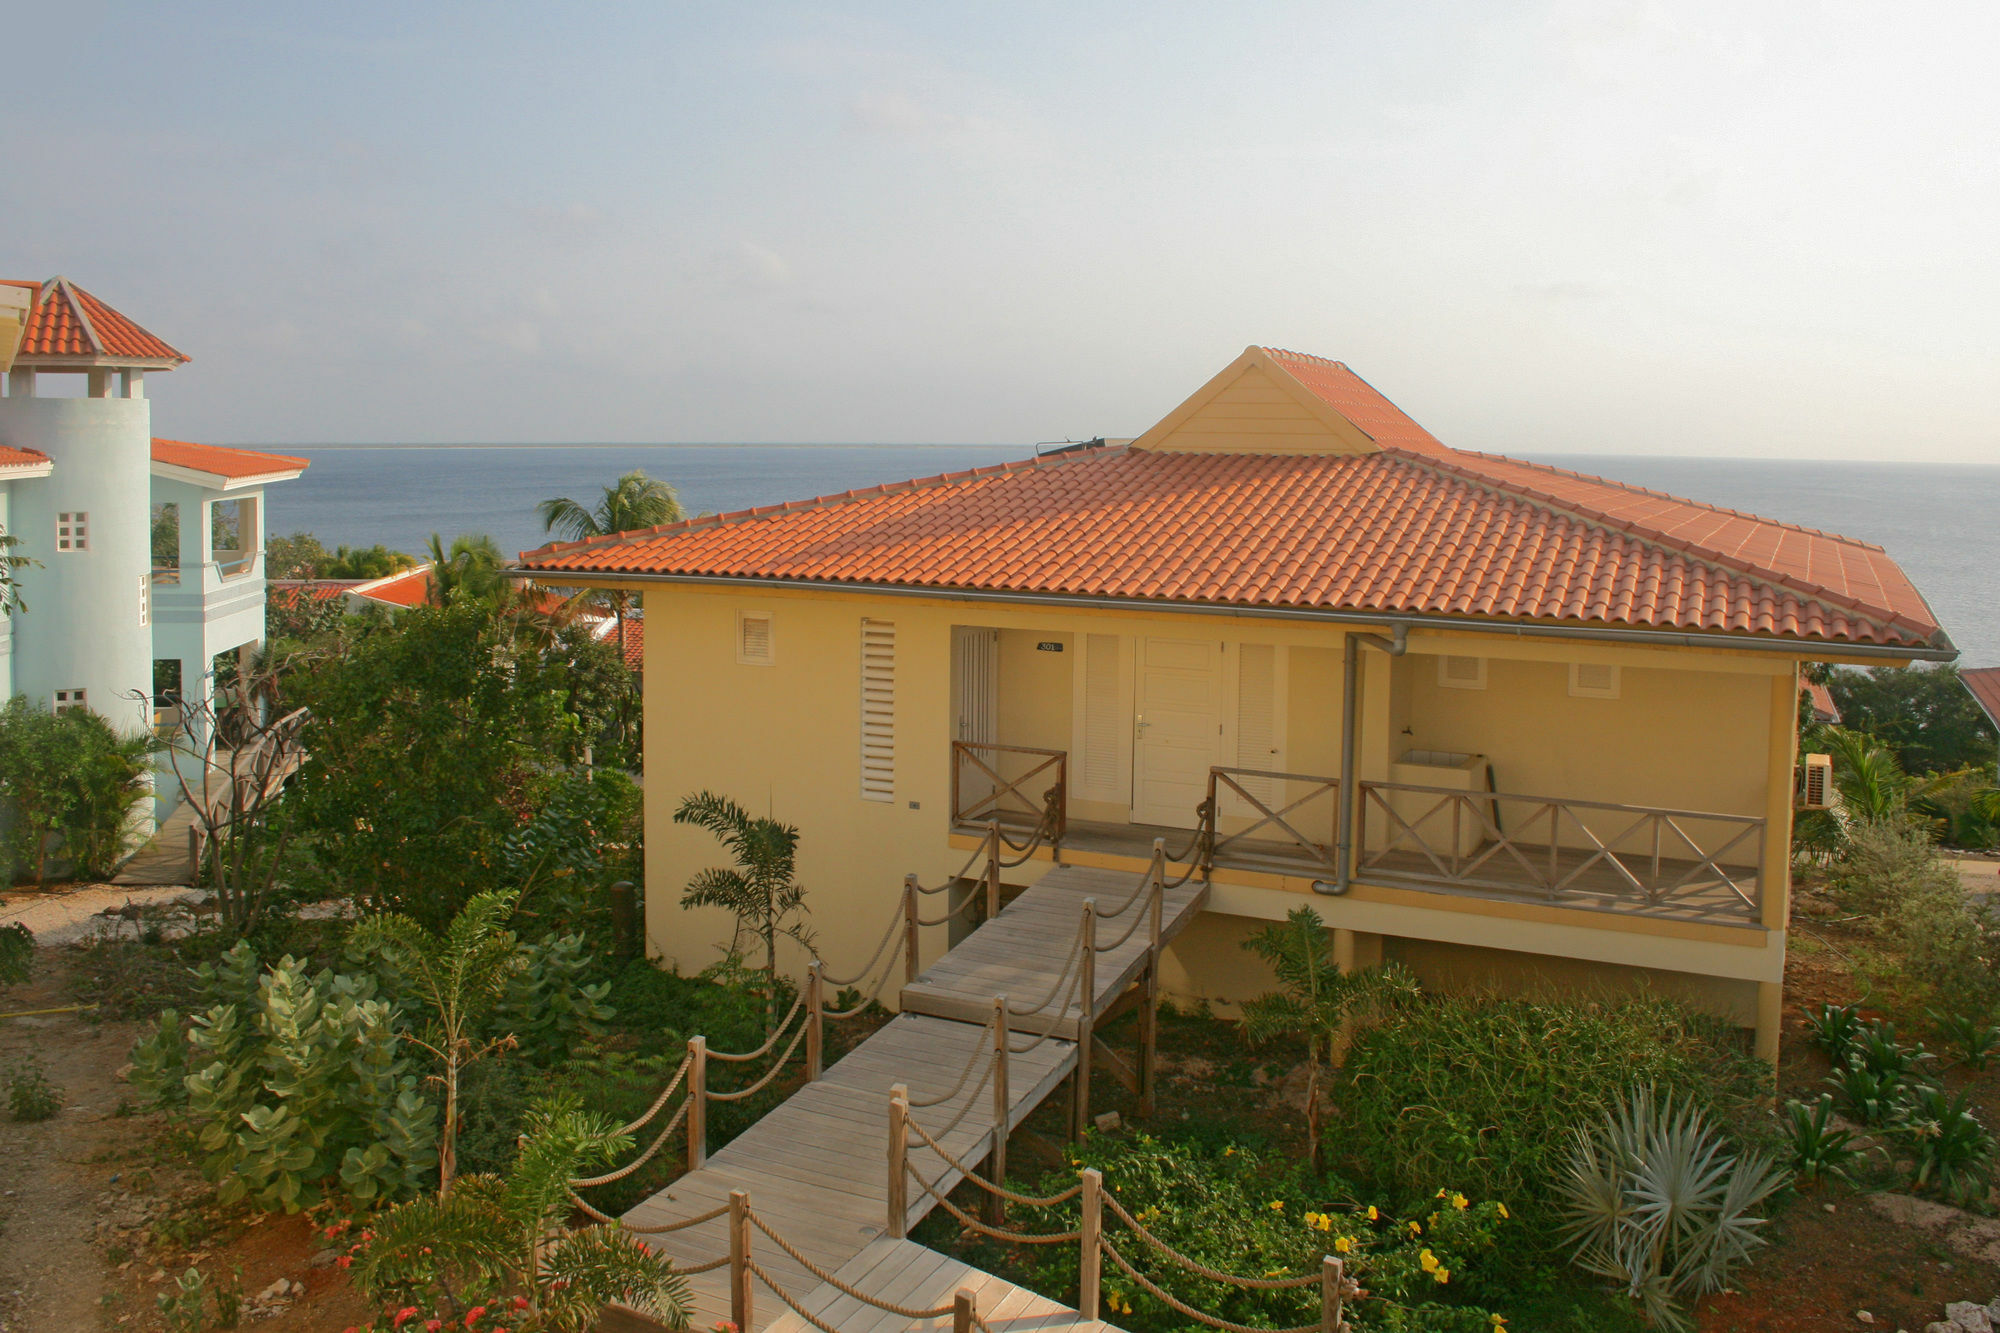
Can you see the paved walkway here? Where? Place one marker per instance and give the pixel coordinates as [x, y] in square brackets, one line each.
[164, 859]
[816, 1167]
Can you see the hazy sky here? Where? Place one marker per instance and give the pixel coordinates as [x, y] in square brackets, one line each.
[1595, 227]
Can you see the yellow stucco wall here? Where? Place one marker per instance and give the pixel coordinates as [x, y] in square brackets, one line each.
[1691, 728]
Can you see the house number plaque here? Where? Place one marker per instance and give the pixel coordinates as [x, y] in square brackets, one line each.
[1048, 646]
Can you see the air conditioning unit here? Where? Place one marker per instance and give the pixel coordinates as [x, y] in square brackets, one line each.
[1815, 785]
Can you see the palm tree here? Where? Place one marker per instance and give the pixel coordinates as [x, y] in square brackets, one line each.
[1315, 999]
[761, 891]
[473, 567]
[636, 501]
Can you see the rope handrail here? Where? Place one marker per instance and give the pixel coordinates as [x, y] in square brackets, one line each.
[1054, 1020]
[769, 1074]
[874, 958]
[985, 1047]
[1175, 1303]
[1074, 956]
[986, 1229]
[660, 1230]
[846, 1289]
[970, 861]
[738, 1058]
[1028, 1200]
[659, 1140]
[1200, 1269]
[1131, 928]
[950, 912]
[661, 1100]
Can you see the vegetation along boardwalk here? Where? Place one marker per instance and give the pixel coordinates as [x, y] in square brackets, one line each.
[802, 1220]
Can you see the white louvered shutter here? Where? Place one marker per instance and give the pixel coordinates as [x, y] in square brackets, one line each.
[1103, 769]
[878, 710]
[1257, 716]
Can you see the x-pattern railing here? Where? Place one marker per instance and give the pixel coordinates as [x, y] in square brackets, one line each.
[973, 802]
[1242, 782]
[1653, 861]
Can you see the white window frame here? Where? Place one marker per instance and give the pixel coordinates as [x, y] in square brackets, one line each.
[743, 655]
[1445, 681]
[72, 530]
[1579, 690]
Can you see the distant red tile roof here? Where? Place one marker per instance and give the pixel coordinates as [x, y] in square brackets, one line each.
[1823, 706]
[233, 464]
[634, 643]
[69, 324]
[409, 587]
[1984, 682]
[1416, 528]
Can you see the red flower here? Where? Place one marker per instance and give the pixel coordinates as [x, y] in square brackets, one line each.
[345, 1261]
[520, 1302]
[472, 1315]
[404, 1316]
[433, 1325]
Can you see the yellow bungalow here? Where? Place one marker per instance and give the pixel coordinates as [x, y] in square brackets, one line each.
[1504, 723]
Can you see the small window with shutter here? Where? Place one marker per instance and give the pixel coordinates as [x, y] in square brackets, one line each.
[753, 638]
[1462, 673]
[1593, 680]
[878, 710]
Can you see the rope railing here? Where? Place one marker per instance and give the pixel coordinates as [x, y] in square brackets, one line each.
[734, 1057]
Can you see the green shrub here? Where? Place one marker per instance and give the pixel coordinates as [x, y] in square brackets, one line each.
[17, 953]
[1834, 1028]
[1483, 1092]
[30, 1093]
[547, 1006]
[71, 784]
[1950, 948]
[293, 1088]
[1818, 1149]
[1953, 1152]
[1230, 1209]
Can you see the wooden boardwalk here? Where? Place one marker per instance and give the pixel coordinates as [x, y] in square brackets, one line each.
[816, 1168]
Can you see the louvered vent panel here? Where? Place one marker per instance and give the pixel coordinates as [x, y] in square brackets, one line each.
[1462, 673]
[878, 710]
[753, 638]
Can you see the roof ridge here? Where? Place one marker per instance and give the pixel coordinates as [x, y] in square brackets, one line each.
[1677, 499]
[68, 289]
[1880, 616]
[818, 501]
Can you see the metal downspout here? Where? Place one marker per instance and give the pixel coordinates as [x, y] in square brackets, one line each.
[1350, 709]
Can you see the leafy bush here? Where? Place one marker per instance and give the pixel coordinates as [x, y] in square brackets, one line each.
[1657, 1201]
[31, 1095]
[298, 1085]
[1974, 1038]
[71, 783]
[1953, 1151]
[1819, 1150]
[1950, 949]
[17, 953]
[1834, 1028]
[547, 1007]
[1229, 1209]
[1483, 1092]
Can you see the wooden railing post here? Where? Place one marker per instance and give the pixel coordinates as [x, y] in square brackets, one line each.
[815, 1020]
[957, 761]
[697, 1103]
[964, 1311]
[1090, 1267]
[1149, 1001]
[996, 1158]
[1086, 1013]
[1332, 1290]
[910, 934]
[992, 869]
[899, 1158]
[740, 1305]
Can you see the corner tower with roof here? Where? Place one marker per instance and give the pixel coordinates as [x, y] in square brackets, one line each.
[81, 480]
[1504, 723]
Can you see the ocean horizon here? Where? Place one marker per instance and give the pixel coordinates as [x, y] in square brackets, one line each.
[1936, 520]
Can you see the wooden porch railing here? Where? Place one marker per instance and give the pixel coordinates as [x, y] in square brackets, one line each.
[1696, 863]
[976, 764]
[1282, 820]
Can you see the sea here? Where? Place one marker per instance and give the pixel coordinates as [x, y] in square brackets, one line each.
[1940, 522]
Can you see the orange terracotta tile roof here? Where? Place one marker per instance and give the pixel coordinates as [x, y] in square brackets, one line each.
[1414, 529]
[234, 464]
[69, 324]
[409, 587]
[1984, 682]
[1823, 706]
[11, 457]
[634, 643]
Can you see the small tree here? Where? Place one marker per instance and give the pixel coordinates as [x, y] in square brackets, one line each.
[70, 781]
[513, 1233]
[1315, 999]
[472, 567]
[10, 592]
[458, 979]
[761, 891]
[635, 501]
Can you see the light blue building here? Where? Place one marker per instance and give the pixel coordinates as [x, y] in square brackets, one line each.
[81, 481]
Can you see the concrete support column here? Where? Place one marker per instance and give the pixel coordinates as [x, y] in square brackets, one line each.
[21, 382]
[131, 384]
[100, 382]
[1356, 950]
[1770, 1021]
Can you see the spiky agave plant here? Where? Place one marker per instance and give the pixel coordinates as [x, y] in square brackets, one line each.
[1657, 1201]
[511, 1232]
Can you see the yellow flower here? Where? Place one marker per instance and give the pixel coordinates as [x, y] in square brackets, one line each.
[1503, 1210]
[1442, 1275]
[1499, 1320]
[1428, 1261]
[1277, 1205]
[1343, 1245]
[1459, 1201]
[1230, 1151]
[1416, 1229]
[1373, 1214]
[1438, 1195]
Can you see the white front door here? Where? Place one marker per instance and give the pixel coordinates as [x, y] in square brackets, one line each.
[1178, 729]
